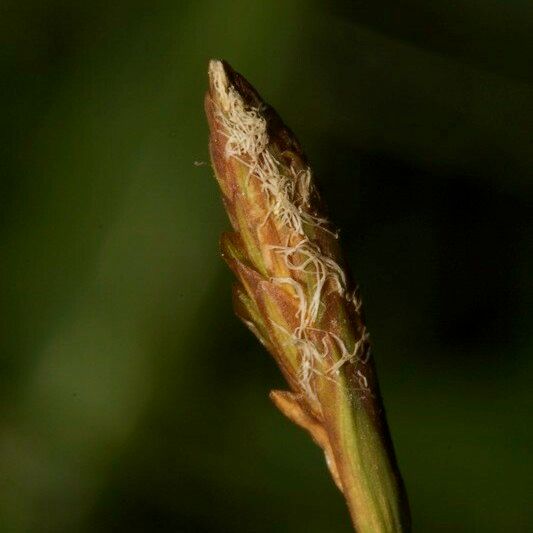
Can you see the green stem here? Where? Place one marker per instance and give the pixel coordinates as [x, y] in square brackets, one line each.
[366, 463]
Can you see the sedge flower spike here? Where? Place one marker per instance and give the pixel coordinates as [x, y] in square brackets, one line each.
[295, 295]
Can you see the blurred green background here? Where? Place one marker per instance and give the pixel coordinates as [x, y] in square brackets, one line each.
[132, 399]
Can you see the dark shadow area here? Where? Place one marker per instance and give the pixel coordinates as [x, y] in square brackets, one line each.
[496, 37]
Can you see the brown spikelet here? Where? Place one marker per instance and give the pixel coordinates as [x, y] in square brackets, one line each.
[295, 295]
